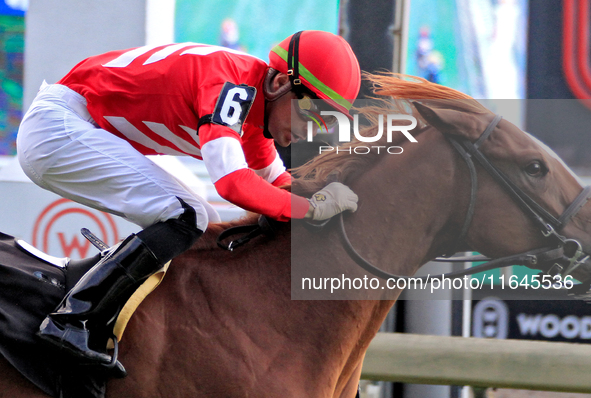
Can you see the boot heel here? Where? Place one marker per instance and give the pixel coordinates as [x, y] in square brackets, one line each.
[96, 299]
[70, 340]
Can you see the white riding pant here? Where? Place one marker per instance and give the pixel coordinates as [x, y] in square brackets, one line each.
[63, 150]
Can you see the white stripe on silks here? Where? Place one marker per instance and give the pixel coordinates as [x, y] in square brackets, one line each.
[223, 156]
[168, 135]
[272, 171]
[127, 57]
[166, 51]
[134, 134]
[206, 50]
[192, 133]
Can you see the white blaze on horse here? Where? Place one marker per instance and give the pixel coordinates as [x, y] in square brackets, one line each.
[224, 323]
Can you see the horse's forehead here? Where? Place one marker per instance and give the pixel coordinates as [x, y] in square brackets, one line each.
[553, 154]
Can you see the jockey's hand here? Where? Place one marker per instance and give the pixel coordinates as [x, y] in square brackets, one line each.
[331, 200]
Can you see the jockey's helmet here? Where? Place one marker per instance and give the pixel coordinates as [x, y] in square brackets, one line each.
[323, 63]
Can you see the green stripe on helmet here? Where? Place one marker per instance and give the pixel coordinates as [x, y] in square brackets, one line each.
[333, 95]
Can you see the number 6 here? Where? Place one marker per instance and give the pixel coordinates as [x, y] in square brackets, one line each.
[231, 109]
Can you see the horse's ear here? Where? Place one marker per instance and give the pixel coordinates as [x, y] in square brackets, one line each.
[448, 121]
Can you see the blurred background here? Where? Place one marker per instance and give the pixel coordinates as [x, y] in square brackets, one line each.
[528, 60]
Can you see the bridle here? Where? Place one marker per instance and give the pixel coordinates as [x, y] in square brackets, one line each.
[561, 257]
[548, 224]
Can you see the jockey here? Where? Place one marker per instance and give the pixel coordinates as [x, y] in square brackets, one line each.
[85, 138]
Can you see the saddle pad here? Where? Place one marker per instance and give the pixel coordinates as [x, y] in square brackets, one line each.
[135, 300]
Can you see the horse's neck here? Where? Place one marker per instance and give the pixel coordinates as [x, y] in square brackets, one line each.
[406, 215]
[248, 293]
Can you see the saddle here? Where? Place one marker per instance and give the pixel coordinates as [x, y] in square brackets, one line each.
[32, 284]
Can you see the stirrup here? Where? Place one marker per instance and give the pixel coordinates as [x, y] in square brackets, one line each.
[113, 362]
[114, 367]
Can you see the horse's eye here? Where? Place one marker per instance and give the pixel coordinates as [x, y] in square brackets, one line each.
[536, 169]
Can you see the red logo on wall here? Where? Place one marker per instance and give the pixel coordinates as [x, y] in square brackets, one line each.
[57, 229]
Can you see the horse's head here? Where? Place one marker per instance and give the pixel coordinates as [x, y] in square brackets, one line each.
[525, 194]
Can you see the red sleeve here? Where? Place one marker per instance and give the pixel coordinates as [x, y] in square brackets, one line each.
[259, 151]
[283, 179]
[250, 192]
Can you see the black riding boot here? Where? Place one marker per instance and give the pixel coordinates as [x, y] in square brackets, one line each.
[95, 301]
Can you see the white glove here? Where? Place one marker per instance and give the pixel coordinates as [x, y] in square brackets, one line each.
[332, 200]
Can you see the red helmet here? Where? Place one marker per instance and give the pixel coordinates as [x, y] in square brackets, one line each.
[322, 62]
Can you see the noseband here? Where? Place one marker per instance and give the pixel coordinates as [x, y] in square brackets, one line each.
[561, 257]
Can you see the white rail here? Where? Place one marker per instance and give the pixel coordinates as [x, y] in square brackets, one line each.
[422, 359]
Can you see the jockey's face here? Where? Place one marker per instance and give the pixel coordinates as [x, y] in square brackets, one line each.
[284, 128]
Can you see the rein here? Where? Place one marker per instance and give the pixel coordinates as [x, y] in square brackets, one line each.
[528, 259]
[264, 226]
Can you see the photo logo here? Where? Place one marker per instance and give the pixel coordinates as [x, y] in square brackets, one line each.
[340, 124]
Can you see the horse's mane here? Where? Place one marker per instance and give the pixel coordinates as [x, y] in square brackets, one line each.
[394, 93]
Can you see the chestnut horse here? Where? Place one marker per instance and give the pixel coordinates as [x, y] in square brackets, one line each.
[223, 324]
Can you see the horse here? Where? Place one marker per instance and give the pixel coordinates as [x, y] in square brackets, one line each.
[224, 324]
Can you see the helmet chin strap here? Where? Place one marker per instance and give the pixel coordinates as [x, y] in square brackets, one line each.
[293, 63]
[266, 132]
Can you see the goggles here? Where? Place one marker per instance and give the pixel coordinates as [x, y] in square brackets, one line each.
[309, 109]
